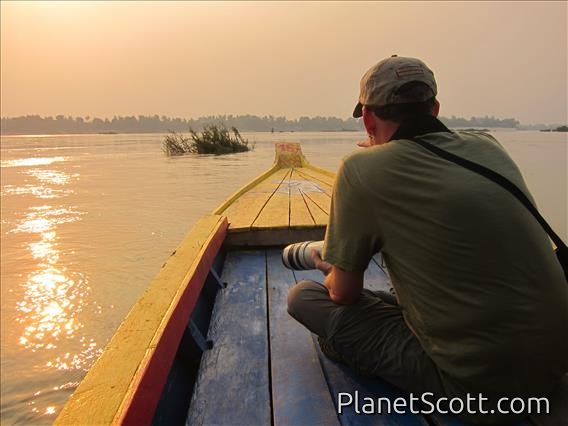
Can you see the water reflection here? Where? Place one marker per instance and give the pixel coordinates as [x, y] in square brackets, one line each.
[52, 176]
[47, 180]
[54, 295]
[33, 161]
[35, 190]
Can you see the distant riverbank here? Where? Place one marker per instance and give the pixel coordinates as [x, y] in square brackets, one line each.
[558, 129]
[37, 125]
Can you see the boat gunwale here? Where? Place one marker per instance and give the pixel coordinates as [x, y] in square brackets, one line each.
[100, 398]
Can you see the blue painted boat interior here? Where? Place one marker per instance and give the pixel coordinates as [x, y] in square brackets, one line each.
[244, 360]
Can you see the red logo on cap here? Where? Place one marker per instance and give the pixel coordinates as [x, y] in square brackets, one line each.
[409, 70]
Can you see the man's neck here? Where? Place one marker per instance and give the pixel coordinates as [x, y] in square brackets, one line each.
[385, 131]
[418, 126]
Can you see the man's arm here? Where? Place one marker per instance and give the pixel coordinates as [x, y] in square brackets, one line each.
[344, 286]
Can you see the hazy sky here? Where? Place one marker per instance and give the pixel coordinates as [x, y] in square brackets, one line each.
[190, 59]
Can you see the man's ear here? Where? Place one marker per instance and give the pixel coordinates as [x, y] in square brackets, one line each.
[369, 120]
[436, 108]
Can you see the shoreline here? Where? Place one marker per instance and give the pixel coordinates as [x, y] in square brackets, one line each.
[478, 129]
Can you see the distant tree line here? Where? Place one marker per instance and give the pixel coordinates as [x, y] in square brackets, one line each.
[486, 121]
[35, 124]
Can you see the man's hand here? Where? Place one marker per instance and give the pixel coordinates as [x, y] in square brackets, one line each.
[320, 264]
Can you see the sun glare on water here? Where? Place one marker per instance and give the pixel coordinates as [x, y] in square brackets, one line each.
[54, 295]
[53, 291]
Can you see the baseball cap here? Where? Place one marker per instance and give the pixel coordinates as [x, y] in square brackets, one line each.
[381, 83]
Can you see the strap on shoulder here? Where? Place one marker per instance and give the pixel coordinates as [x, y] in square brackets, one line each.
[499, 180]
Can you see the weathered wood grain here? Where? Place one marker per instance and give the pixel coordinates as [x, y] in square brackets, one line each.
[299, 391]
[319, 205]
[342, 380]
[300, 214]
[317, 175]
[303, 212]
[276, 212]
[244, 211]
[233, 382]
[292, 194]
[273, 237]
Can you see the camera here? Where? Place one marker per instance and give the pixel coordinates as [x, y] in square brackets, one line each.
[298, 256]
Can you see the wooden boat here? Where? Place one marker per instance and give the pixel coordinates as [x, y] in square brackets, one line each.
[210, 341]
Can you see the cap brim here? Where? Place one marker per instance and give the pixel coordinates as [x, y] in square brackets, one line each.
[358, 111]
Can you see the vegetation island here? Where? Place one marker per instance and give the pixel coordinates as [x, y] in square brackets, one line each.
[212, 140]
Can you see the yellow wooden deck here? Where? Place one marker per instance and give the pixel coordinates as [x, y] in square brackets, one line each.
[288, 203]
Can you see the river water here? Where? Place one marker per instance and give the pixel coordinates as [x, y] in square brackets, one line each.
[87, 221]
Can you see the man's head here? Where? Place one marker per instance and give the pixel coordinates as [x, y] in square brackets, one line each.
[396, 81]
[393, 91]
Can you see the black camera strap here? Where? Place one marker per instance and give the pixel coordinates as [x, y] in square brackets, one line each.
[561, 249]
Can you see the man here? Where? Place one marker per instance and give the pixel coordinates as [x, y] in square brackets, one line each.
[482, 300]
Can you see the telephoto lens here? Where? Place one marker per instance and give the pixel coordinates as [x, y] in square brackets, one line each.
[298, 256]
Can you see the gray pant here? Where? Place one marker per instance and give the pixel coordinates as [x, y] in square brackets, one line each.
[371, 335]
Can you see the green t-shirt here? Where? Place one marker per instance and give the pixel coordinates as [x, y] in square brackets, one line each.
[475, 274]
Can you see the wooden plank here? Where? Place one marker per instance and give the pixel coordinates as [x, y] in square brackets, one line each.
[325, 179]
[342, 380]
[243, 212]
[233, 382]
[276, 212]
[125, 383]
[319, 206]
[265, 237]
[318, 197]
[299, 391]
[300, 214]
